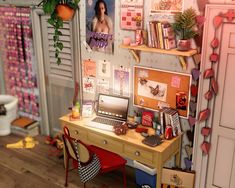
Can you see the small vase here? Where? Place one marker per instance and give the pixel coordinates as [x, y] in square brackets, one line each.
[184, 45]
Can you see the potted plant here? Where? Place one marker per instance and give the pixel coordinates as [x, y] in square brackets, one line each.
[185, 27]
[59, 11]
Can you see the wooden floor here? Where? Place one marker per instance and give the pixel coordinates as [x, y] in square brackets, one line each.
[35, 168]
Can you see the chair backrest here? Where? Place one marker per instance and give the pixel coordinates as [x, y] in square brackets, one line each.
[83, 152]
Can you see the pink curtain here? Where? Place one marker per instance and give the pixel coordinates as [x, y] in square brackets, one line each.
[16, 48]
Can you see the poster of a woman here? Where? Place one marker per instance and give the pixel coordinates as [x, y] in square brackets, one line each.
[100, 25]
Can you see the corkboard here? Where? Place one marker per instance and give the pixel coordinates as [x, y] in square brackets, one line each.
[154, 89]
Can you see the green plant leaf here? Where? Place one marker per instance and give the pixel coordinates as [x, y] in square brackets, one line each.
[58, 61]
[51, 21]
[49, 6]
[60, 46]
[185, 23]
[55, 38]
[57, 32]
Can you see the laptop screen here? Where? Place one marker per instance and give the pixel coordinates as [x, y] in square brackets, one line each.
[114, 107]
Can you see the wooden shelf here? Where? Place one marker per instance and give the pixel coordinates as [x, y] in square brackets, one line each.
[181, 54]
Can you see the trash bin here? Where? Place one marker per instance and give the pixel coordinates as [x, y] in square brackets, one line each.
[10, 104]
[145, 175]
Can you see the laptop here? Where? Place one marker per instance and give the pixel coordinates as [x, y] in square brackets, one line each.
[111, 111]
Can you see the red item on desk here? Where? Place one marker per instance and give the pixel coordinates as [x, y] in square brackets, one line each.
[168, 132]
[147, 119]
[141, 130]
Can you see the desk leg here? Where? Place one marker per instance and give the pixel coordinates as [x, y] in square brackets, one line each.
[159, 176]
[178, 154]
[177, 159]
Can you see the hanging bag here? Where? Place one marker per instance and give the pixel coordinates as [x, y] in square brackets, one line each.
[87, 171]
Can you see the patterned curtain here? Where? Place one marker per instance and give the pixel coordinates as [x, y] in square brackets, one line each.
[16, 47]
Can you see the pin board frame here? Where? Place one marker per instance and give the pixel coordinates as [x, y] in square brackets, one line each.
[155, 88]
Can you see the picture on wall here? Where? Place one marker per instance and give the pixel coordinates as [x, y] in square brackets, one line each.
[166, 6]
[104, 68]
[100, 25]
[132, 17]
[121, 81]
[102, 86]
[154, 89]
[88, 85]
[89, 68]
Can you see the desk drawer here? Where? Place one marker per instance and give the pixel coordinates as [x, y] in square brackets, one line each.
[138, 154]
[104, 142]
[78, 133]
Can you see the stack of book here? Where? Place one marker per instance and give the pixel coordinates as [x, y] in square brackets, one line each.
[161, 35]
[24, 126]
[170, 116]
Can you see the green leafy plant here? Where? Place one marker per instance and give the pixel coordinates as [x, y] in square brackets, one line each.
[185, 24]
[51, 7]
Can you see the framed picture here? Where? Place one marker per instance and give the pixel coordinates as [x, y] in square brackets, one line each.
[155, 89]
[132, 17]
[166, 6]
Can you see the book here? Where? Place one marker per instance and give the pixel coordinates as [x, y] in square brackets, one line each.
[169, 38]
[25, 127]
[23, 132]
[154, 34]
[174, 121]
[169, 43]
[22, 122]
[149, 35]
[160, 35]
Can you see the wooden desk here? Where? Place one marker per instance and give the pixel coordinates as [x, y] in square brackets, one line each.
[128, 145]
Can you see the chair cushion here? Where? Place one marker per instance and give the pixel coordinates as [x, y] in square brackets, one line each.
[109, 160]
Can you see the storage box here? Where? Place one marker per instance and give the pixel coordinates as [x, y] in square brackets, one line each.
[145, 175]
[178, 178]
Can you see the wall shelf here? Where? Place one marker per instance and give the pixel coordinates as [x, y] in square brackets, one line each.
[181, 54]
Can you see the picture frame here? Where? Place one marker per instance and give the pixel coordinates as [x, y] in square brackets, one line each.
[155, 89]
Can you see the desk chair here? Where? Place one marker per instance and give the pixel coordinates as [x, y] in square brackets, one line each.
[109, 161]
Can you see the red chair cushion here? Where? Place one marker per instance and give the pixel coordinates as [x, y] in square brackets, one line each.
[109, 160]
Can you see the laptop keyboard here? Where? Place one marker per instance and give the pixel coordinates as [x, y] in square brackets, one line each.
[103, 123]
[107, 121]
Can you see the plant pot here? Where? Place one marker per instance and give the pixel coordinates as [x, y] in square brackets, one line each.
[64, 12]
[184, 45]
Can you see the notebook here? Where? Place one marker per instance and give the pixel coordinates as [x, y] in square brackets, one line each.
[111, 111]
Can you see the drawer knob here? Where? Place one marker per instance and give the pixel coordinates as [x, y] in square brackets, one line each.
[76, 132]
[105, 142]
[137, 153]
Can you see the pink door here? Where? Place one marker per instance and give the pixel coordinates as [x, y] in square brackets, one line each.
[217, 168]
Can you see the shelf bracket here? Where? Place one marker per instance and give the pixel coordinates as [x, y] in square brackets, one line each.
[183, 62]
[136, 55]
[197, 58]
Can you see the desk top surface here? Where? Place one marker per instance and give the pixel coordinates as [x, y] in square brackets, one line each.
[132, 137]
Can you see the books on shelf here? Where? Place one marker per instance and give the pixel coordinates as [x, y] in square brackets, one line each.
[24, 126]
[170, 116]
[161, 35]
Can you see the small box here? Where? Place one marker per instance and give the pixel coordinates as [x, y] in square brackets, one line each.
[144, 175]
